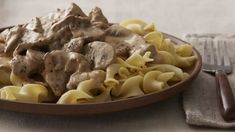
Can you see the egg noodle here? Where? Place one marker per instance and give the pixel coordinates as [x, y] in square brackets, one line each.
[132, 77]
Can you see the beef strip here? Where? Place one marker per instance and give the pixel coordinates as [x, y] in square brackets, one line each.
[121, 47]
[57, 40]
[75, 45]
[54, 17]
[116, 35]
[12, 39]
[63, 22]
[75, 10]
[99, 54]
[59, 65]
[98, 19]
[80, 27]
[35, 25]
[2, 48]
[27, 66]
[33, 31]
[126, 42]
[53, 42]
[38, 32]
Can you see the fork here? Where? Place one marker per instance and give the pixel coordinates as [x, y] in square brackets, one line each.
[216, 61]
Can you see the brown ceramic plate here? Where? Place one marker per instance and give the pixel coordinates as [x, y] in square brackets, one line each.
[112, 106]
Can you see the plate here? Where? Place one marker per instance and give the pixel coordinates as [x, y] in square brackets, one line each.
[112, 106]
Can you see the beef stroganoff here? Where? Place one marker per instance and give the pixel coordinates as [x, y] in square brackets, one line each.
[68, 57]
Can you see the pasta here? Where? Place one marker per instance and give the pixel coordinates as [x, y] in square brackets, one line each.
[138, 26]
[130, 88]
[138, 60]
[156, 80]
[178, 76]
[9, 92]
[15, 80]
[112, 70]
[184, 50]
[74, 97]
[123, 72]
[28, 93]
[87, 91]
[155, 38]
[94, 89]
[169, 53]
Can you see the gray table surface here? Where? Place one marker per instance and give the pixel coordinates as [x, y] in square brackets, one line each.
[177, 17]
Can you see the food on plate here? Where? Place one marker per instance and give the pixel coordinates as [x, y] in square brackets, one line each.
[68, 57]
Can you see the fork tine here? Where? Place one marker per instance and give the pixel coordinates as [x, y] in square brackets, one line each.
[226, 57]
[218, 53]
[211, 50]
[204, 53]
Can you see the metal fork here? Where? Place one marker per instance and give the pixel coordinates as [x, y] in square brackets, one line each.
[216, 61]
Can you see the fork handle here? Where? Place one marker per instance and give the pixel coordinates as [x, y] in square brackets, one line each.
[225, 96]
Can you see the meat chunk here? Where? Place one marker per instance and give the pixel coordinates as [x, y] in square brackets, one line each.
[116, 36]
[97, 16]
[59, 65]
[57, 40]
[118, 31]
[75, 45]
[119, 34]
[27, 66]
[75, 10]
[126, 42]
[60, 15]
[33, 31]
[98, 19]
[78, 77]
[22, 48]
[80, 27]
[99, 54]
[35, 25]
[2, 48]
[121, 47]
[12, 39]
[69, 20]
[30, 36]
